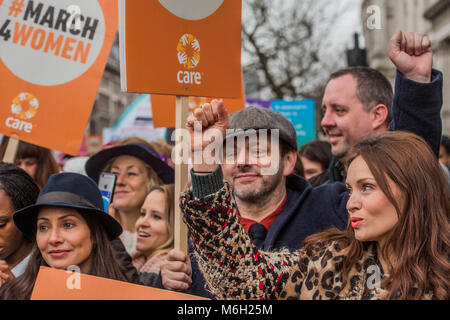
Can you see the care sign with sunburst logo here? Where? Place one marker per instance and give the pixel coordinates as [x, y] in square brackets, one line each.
[187, 48]
[52, 57]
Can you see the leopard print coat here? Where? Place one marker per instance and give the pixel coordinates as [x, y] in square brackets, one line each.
[235, 269]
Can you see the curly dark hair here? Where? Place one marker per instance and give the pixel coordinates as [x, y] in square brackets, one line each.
[18, 186]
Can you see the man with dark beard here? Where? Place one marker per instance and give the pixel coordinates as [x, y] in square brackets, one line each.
[259, 169]
[276, 208]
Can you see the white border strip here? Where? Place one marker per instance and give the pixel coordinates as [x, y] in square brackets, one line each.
[122, 45]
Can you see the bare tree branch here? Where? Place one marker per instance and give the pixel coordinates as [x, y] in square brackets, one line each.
[285, 43]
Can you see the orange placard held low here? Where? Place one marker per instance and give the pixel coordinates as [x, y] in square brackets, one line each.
[185, 48]
[54, 284]
[52, 58]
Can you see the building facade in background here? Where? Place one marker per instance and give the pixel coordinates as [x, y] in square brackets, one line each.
[439, 15]
[110, 102]
[431, 17]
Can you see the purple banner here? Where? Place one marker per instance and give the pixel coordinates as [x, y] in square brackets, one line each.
[249, 102]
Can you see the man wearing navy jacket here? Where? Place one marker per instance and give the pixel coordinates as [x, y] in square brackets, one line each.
[281, 210]
[345, 124]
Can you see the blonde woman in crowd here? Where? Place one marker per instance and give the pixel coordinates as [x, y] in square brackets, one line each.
[138, 168]
[154, 233]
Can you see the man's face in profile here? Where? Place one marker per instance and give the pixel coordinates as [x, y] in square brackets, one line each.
[345, 120]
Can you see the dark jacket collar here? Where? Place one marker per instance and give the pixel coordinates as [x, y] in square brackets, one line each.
[336, 171]
[297, 188]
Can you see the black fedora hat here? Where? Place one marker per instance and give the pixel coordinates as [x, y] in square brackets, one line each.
[97, 163]
[70, 190]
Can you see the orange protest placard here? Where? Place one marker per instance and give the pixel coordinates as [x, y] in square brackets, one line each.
[186, 48]
[52, 58]
[54, 284]
[163, 107]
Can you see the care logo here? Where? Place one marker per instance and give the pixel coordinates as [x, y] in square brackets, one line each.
[24, 107]
[188, 53]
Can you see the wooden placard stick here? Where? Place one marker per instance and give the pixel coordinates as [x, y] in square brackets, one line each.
[11, 150]
[181, 176]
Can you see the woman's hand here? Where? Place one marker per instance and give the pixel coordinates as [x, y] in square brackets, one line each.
[5, 272]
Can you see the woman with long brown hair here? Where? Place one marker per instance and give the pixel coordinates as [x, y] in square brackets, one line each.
[70, 229]
[396, 245]
[37, 161]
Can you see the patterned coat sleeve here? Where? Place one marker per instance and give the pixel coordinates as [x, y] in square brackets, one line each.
[233, 267]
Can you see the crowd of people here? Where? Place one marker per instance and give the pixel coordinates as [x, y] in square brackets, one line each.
[364, 215]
